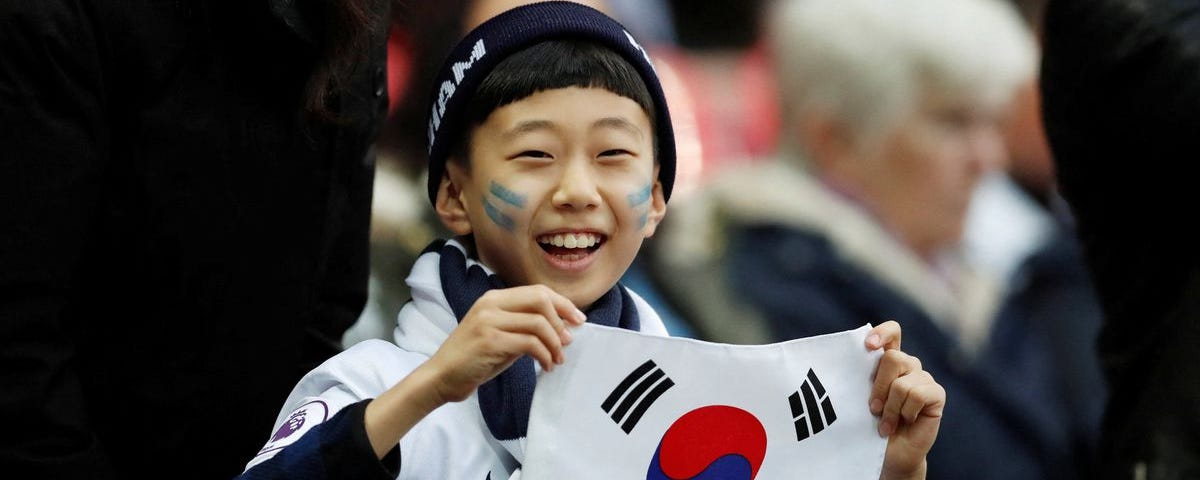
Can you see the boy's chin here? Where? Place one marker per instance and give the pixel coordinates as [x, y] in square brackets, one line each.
[582, 296]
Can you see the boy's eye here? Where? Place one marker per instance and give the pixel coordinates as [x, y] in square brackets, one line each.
[614, 153]
[533, 154]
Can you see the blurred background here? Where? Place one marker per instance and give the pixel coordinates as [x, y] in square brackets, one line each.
[841, 162]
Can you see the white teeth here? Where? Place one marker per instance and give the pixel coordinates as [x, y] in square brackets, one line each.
[571, 240]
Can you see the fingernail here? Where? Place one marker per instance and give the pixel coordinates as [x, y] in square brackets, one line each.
[567, 337]
[580, 317]
[885, 429]
[873, 341]
[876, 406]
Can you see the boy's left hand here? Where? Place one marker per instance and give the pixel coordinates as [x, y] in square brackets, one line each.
[909, 401]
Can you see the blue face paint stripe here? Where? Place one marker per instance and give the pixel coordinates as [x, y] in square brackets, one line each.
[498, 217]
[641, 196]
[508, 196]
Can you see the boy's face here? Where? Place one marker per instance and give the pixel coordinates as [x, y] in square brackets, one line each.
[562, 189]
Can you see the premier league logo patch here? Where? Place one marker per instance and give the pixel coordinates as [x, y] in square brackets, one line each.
[628, 405]
[294, 426]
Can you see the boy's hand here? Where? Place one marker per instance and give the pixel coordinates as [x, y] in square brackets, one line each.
[910, 402]
[502, 326]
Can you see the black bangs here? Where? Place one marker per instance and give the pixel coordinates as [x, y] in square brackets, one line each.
[558, 64]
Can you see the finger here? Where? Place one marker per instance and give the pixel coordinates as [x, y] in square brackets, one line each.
[892, 365]
[535, 348]
[886, 336]
[537, 327]
[553, 305]
[565, 308]
[550, 304]
[924, 397]
[896, 398]
[537, 296]
[559, 310]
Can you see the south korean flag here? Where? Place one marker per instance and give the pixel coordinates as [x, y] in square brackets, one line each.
[628, 405]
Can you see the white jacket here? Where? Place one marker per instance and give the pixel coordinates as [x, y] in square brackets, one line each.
[453, 442]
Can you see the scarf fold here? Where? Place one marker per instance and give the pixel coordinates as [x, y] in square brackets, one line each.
[505, 400]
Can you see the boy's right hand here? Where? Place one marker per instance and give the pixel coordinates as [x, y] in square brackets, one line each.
[502, 326]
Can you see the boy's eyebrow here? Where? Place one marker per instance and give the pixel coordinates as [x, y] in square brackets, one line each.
[619, 123]
[527, 127]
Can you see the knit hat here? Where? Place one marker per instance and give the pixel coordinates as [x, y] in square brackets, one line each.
[512, 31]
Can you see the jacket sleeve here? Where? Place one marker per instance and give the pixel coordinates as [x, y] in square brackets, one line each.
[54, 139]
[337, 448]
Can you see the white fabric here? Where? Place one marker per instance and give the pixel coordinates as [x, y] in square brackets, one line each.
[453, 442]
[1004, 227]
[572, 435]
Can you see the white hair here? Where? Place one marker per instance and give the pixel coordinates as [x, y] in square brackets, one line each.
[867, 62]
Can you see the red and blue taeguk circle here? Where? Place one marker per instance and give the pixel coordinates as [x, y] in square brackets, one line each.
[716, 442]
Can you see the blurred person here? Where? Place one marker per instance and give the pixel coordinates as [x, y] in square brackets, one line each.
[862, 215]
[183, 230]
[720, 80]
[1121, 98]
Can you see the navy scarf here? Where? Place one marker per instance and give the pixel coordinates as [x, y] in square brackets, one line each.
[505, 400]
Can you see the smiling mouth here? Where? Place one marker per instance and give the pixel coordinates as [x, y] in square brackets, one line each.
[571, 246]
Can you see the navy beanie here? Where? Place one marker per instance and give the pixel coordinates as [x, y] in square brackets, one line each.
[512, 31]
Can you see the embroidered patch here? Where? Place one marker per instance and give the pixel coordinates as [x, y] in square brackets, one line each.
[299, 422]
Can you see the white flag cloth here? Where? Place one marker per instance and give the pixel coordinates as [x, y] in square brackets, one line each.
[627, 405]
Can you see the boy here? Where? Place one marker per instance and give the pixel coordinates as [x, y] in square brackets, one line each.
[551, 158]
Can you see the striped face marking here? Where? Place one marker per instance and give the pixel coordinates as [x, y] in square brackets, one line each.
[507, 196]
[508, 199]
[640, 200]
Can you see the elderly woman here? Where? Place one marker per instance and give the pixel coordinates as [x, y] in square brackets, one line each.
[893, 113]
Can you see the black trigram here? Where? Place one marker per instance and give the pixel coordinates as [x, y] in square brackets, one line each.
[805, 411]
[633, 404]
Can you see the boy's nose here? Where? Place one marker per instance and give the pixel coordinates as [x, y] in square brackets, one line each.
[577, 187]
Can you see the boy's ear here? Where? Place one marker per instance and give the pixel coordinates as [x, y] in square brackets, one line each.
[658, 207]
[451, 204]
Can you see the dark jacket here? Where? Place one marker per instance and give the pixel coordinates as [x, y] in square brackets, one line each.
[790, 258]
[178, 244]
[1026, 406]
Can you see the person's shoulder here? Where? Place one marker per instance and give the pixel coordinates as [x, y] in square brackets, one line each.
[371, 348]
[367, 368]
[380, 359]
